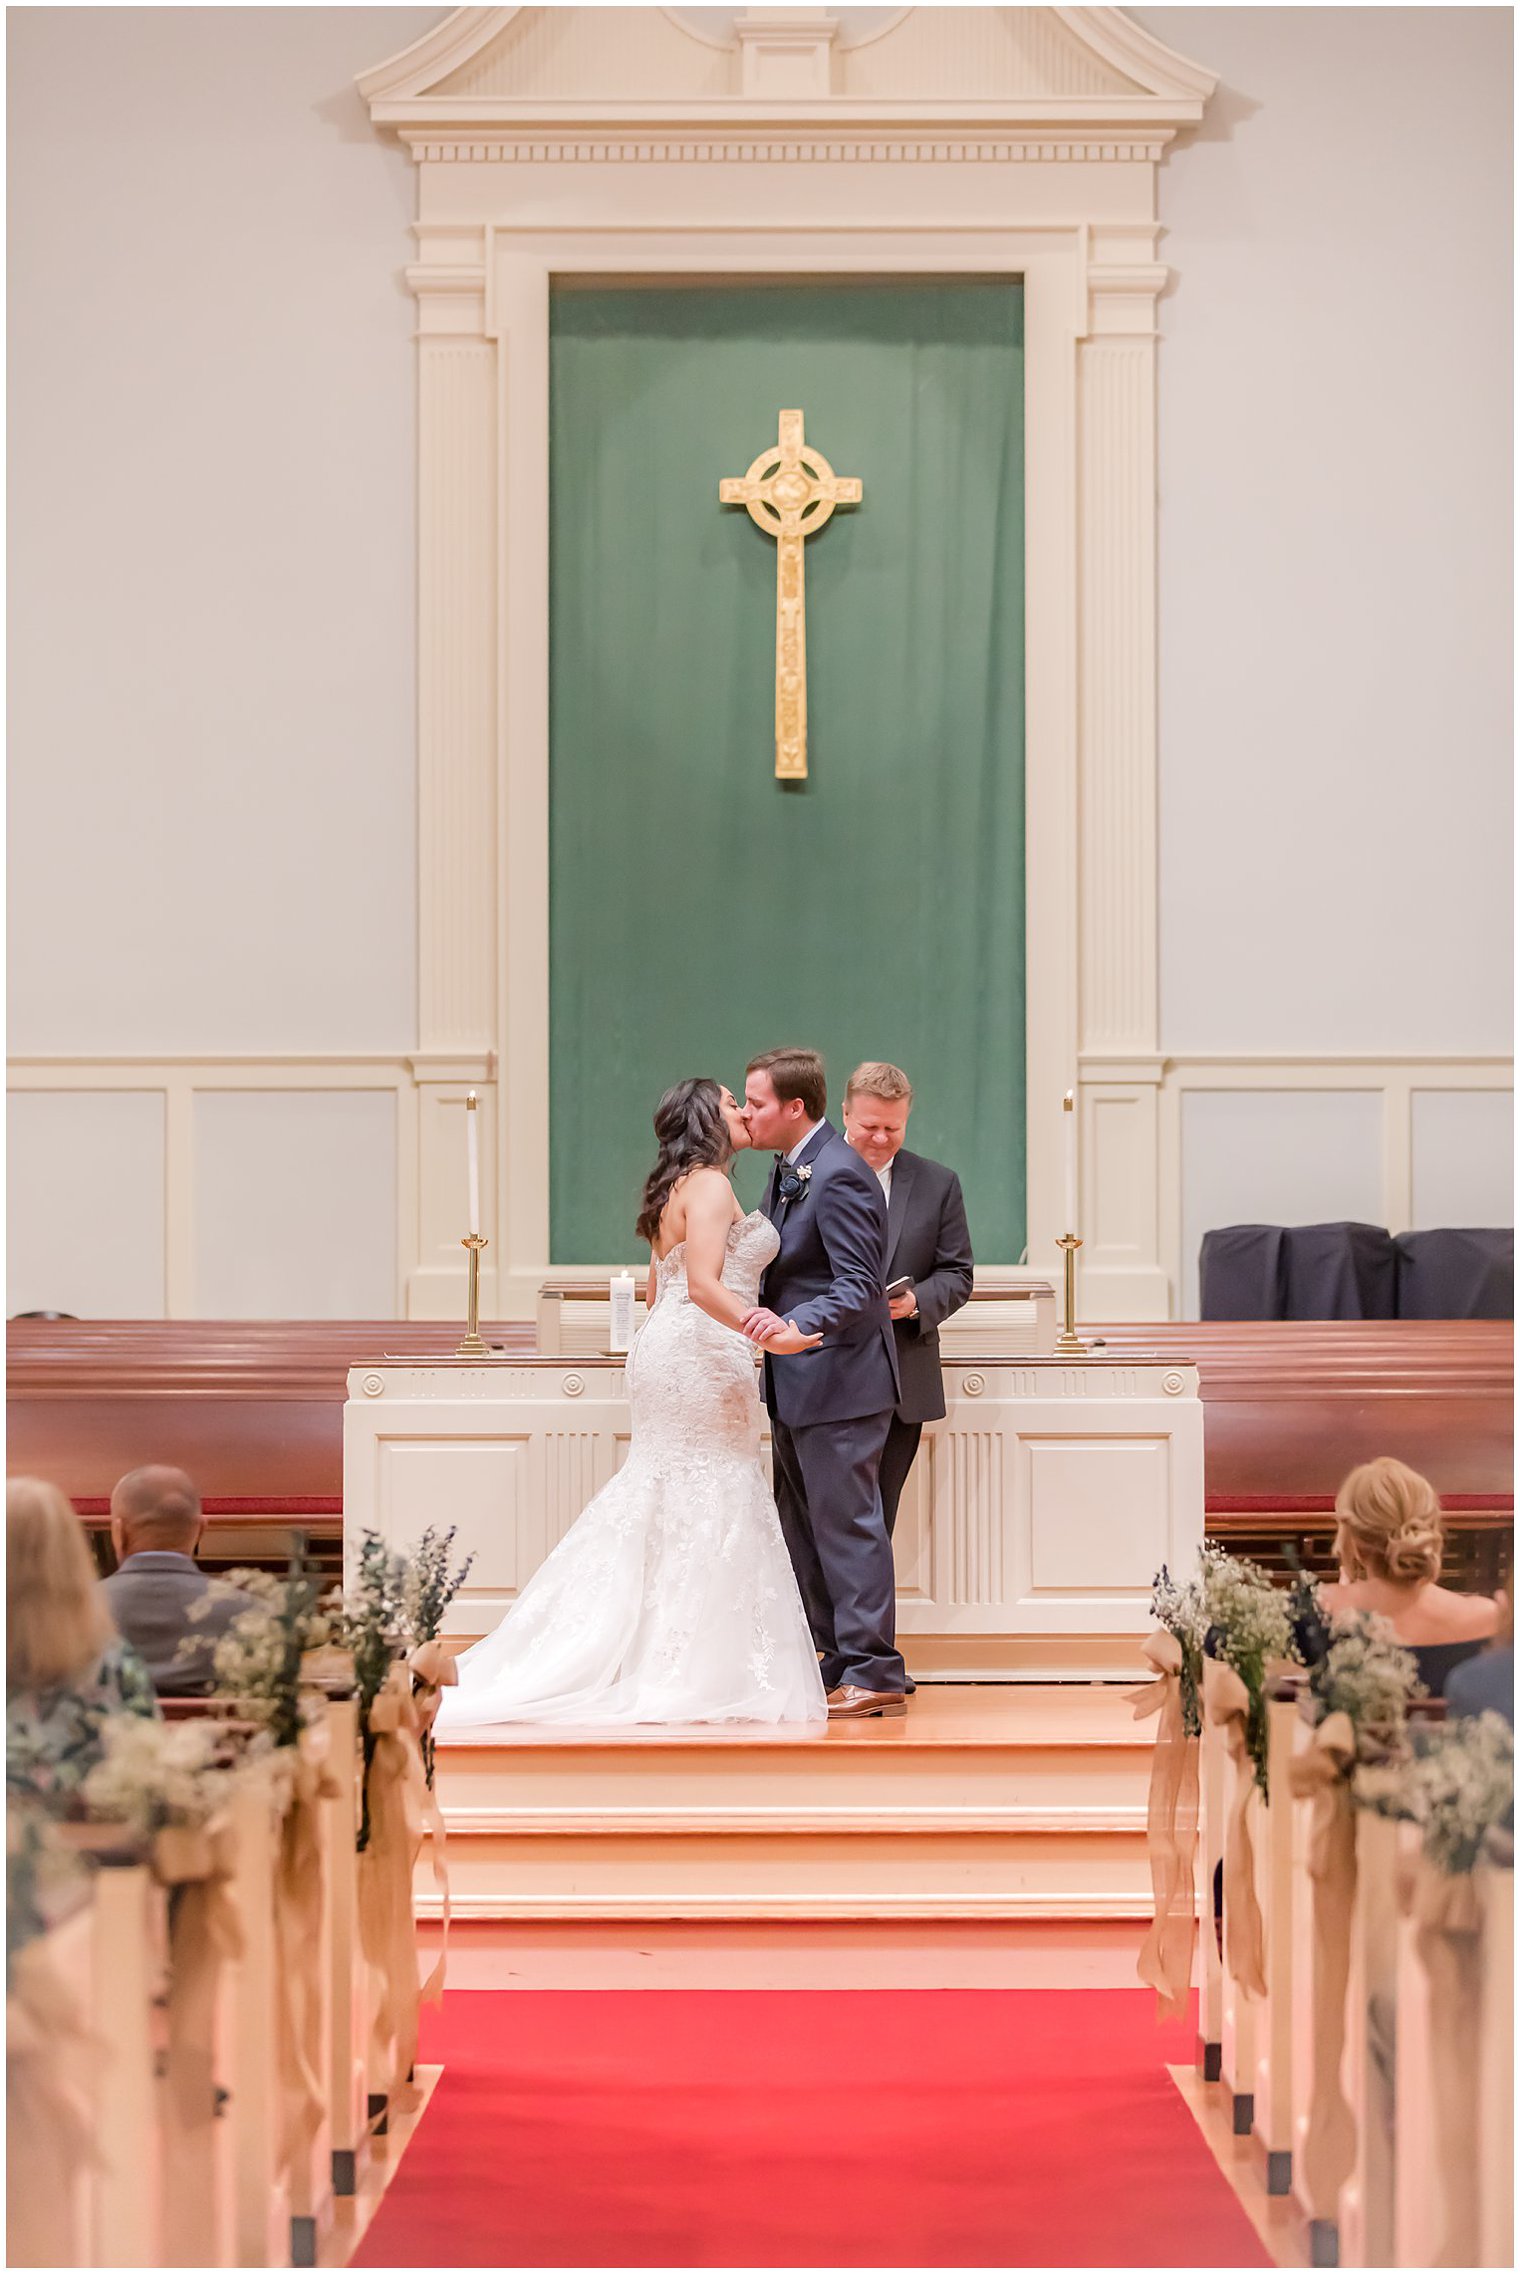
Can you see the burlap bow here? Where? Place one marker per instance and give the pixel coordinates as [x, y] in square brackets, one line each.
[196, 1863]
[1166, 1955]
[1227, 1706]
[1323, 1774]
[298, 1898]
[50, 2134]
[1448, 1920]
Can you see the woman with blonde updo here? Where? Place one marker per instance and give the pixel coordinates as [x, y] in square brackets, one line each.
[1389, 1538]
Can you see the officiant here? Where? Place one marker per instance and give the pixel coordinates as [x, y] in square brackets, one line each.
[929, 1259]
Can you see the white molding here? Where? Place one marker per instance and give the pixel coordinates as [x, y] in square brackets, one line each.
[1116, 39]
[1130, 1125]
[535, 146]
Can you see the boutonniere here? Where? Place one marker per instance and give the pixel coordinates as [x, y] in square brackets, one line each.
[794, 1182]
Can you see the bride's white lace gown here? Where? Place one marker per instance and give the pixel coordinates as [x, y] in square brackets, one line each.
[671, 1598]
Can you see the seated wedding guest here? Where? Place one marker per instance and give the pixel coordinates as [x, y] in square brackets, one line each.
[1486, 1684]
[1389, 1539]
[928, 1245]
[164, 1604]
[67, 1670]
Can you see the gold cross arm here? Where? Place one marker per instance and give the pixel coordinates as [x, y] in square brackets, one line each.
[790, 491]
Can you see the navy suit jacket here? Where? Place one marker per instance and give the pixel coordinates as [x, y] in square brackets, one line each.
[927, 1241]
[828, 1278]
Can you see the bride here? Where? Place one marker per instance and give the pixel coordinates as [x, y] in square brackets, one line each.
[671, 1598]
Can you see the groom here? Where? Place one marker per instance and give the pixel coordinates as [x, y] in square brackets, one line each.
[830, 1407]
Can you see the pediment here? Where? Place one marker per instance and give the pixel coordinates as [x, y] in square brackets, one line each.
[1047, 63]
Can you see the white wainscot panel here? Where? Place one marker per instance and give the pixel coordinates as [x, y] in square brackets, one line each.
[1098, 1514]
[295, 1204]
[1276, 1157]
[1464, 1159]
[86, 1203]
[489, 1489]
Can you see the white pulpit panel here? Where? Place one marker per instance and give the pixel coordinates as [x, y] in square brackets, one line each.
[1036, 1517]
[487, 1487]
[1098, 1510]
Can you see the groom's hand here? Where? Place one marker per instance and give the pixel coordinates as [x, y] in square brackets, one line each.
[761, 1324]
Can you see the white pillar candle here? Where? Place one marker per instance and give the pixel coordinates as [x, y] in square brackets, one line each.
[472, 1133]
[1069, 1145]
[621, 1337]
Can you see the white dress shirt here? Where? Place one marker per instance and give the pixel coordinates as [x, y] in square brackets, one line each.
[884, 1179]
[803, 1140]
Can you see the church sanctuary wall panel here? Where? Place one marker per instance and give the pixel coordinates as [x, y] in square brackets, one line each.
[1276, 1157]
[1335, 536]
[1462, 1145]
[295, 1204]
[86, 1203]
[212, 385]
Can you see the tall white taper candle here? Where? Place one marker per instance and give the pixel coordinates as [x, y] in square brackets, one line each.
[1069, 1145]
[472, 1132]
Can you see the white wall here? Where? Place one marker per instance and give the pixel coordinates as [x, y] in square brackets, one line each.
[1335, 414]
[212, 773]
[212, 769]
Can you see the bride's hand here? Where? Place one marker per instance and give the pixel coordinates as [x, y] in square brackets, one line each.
[787, 1342]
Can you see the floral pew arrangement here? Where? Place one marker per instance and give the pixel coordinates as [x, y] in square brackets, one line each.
[1452, 1797]
[221, 1867]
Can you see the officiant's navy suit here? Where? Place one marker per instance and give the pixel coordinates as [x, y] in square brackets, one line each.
[831, 1407]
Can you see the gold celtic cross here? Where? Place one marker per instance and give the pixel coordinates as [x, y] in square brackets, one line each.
[790, 491]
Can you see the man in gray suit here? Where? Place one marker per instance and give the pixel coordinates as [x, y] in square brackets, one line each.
[156, 1523]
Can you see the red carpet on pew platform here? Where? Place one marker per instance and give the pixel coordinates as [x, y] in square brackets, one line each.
[801, 2128]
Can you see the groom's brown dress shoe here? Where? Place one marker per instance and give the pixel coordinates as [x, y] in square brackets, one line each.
[850, 1703]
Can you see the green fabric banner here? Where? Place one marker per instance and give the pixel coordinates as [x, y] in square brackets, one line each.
[700, 910]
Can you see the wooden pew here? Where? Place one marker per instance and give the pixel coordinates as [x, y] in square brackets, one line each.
[127, 1939]
[1272, 2111]
[50, 2214]
[254, 1410]
[1496, 2069]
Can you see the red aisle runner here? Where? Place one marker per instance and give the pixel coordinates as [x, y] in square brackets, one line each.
[850, 2128]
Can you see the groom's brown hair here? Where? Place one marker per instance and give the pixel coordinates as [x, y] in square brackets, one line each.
[795, 1074]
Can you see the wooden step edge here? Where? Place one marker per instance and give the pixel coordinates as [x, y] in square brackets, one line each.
[1120, 1739]
[1019, 1903]
[1114, 1819]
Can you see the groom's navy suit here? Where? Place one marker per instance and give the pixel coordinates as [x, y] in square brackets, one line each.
[830, 1408]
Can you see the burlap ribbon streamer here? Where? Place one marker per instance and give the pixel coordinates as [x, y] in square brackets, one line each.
[298, 1899]
[400, 1806]
[1448, 1923]
[1226, 1705]
[50, 2134]
[1166, 1955]
[1323, 1774]
[434, 1670]
[196, 1864]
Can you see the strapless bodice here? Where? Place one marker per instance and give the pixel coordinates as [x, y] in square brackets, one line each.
[751, 1245]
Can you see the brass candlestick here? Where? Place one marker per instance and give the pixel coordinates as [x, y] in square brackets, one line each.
[1069, 1343]
[472, 1345]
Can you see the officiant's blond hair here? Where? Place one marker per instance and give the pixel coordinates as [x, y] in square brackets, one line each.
[56, 1620]
[877, 1079]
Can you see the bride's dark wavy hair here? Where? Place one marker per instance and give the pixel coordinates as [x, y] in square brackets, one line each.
[692, 1134]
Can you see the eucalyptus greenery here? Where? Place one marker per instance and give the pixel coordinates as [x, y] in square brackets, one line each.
[430, 1585]
[374, 1628]
[430, 1589]
[1179, 1608]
